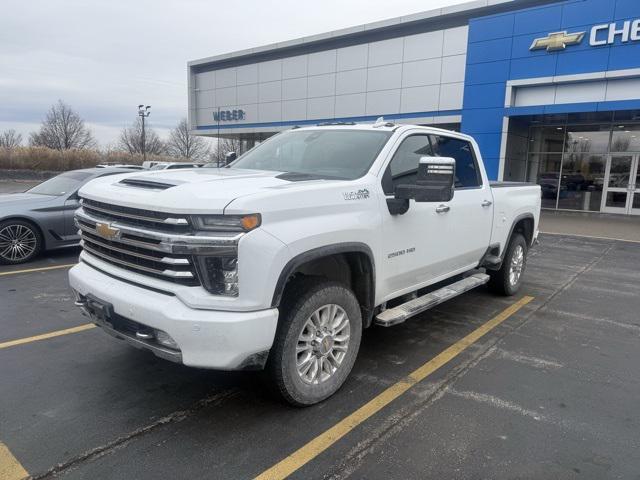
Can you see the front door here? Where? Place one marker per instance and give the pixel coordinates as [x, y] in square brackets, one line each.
[433, 240]
[621, 190]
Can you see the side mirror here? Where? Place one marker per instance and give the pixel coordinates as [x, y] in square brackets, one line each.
[434, 183]
[229, 157]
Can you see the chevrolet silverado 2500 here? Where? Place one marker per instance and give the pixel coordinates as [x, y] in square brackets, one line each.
[280, 260]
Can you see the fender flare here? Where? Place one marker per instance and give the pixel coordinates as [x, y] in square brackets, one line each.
[325, 251]
[519, 218]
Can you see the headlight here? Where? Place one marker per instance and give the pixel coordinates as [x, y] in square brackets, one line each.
[227, 223]
[219, 275]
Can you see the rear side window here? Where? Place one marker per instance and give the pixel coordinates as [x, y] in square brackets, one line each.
[467, 172]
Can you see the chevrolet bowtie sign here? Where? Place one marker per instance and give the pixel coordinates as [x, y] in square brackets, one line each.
[557, 41]
[599, 35]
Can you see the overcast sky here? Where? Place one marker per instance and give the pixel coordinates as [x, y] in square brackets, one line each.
[104, 57]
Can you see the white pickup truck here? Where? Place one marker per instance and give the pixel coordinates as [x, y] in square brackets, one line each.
[280, 260]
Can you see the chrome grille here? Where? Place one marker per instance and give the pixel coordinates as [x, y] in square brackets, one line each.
[143, 242]
[132, 252]
[136, 217]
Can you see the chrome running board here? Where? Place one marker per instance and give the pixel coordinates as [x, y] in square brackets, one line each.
[399, 314]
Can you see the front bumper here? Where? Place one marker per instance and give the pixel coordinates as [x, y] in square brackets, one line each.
[206, 338]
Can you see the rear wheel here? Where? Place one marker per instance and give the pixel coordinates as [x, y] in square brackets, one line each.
[508, 279]
[317, 341]
[20, 241]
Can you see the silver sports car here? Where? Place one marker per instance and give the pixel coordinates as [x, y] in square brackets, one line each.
[42, 218]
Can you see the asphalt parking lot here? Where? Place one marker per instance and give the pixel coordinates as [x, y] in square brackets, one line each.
[550, 390]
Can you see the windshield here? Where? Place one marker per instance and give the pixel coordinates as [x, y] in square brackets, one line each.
[343, 154]
[62, 184]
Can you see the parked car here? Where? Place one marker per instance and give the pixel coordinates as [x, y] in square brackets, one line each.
[42, 218]
[282, 258]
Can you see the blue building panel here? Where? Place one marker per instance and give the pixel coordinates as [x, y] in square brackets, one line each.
[539, 19]
[582, 12]
[500, 26]
[489, 51]
[572, 62]
[489, 144]
[491, 72]
[627, 9]
[490, 95]
[624, 56]
[483, 120]
[544, 66]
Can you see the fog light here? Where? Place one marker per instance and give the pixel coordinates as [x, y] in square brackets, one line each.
[219, 275]
[163, 338]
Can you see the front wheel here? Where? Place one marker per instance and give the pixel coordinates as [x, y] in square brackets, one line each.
[508, 279]
[20, 241]
[317, 341]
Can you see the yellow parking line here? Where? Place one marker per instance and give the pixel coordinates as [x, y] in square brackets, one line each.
[44, 336]
[326, 439]
[10, 467]
[42, 269]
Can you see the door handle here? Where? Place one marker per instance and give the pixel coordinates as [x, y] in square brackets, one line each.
[486, 203]
[443, 208]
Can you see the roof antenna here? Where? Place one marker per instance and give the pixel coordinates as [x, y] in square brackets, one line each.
[379, 123]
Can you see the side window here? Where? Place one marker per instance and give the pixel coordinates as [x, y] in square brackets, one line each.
[467, 172]
[403, 168]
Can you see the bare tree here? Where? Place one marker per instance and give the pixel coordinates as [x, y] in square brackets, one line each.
[131, 139]
[10, 139]
[224, 146]
[62, 129]
[182, 144]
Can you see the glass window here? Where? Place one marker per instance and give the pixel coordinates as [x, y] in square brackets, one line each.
[330, 153]
[62, 184]
[544, 169]
[403, 168]
[467, 173]
[626, 138]
[581, 181]
[587, 139]
[546, 139]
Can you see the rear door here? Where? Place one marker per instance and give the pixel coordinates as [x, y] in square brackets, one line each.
[470, 213]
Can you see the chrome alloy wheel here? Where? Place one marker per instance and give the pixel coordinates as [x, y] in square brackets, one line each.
[17, 242]
[322, 344]
[516, 266]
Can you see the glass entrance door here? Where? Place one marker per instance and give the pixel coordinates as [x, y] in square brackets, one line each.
[621, 189]
[634, 190]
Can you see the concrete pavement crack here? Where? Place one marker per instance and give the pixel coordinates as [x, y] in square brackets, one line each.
[97, 452]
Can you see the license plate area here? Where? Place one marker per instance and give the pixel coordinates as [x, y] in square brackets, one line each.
[101, 311]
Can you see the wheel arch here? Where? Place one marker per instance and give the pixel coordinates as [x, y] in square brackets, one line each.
[354, 261]
[524, 224]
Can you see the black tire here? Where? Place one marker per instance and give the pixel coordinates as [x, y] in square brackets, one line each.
[302, 299]
[32, 241]
[501, 281]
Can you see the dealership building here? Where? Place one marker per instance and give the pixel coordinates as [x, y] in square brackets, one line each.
[549, 89]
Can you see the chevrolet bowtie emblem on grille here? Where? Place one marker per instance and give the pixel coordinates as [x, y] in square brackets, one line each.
[557, 41]
[105, 230]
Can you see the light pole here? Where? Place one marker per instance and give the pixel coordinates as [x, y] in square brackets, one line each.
[144, 112]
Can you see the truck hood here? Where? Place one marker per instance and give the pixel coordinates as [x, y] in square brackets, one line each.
[199, 190]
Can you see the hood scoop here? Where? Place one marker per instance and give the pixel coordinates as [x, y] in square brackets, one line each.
[148, 184]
